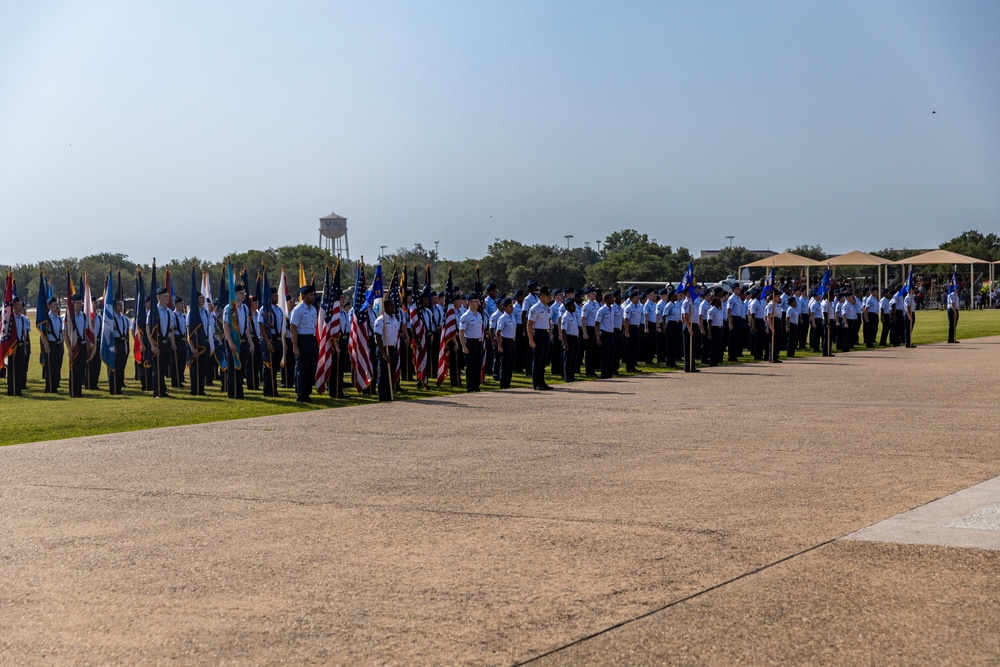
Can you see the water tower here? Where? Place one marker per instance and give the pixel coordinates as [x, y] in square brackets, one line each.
[333, 235]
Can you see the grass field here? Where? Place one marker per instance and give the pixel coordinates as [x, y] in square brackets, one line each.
[38, 416]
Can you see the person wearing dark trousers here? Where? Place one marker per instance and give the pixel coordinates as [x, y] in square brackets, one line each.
[17, 363]
[470, 334]
[815, 322]
[536, 325]
[161, 337]
[530, 299]
[618, 320]
[243, 350]
[792, 326]
[556, 350]
[51, 338]
[632, 314]
[952, 303]
[774, 320]
[94, 362]
[305, 347]
[589, 316]
[198, 349]
[909, 319]
[690, 333]
[885, 317]
[119, 336]
[386, 330]
[736, 322]
[253, 371]
[78, 352]
[714, 322]
[505, 331]
[569, 336]
[269, 323]
[604, 323]
[178, 364]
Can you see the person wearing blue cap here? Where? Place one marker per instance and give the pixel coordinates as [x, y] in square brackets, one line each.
[618, 318]
[736, 321]
[604, 324]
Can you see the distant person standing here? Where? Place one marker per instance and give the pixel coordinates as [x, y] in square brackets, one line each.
[952, 303]
[470, 333]
[537, 330]
[604, 325]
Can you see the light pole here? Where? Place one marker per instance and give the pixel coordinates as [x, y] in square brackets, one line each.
[598, 246]
[730, 241]
[436, 255]
[568, 237]
[382, 253]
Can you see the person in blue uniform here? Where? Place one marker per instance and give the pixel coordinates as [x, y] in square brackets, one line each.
[632, 314]
[505, 330]
[588, 314]
[555, 350]
[120, 339]
[618, 320]
[305, 347]
[17, 363]
[51, 337]
[604, 324]
[736, 322]
[386, 330]
[77, 353]
[569, 336]
[530, 299]
[714, 319]
[470, 333]
[952, 305]
[94, 360]
[537, 330]
[234, 376]
[197, 344]
[791, 326]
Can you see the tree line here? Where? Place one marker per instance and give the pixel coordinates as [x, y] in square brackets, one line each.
[626, 255]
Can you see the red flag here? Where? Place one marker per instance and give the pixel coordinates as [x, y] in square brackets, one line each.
[8, 338]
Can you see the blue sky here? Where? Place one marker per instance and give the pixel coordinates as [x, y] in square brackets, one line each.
[197, 128]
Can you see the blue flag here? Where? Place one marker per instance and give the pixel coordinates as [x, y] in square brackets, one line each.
[41, 306]
[768, 285]
[373, 297]
[689, 283]
[824, 284]
[140, 302]
[108, 324]
[953, 283]
[908, 285]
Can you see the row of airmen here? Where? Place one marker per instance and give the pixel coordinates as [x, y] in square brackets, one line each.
[565, 330]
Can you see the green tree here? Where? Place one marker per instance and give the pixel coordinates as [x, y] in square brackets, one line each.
[726, 263]
[810, 251]
[975, 244]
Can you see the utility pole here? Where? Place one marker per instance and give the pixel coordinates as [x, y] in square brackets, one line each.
[568, 237]
[598, 245]
[436, 255]
[730, 241]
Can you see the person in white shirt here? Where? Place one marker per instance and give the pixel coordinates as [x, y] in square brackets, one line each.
[773, 320]
[885, 316]
[869, 316]
[239, 354]
[791, 326]
[569, 334]
[604, 325]
[736, 323]
[386, 329]
[305, 347]
[691, 332]
[952, 302]
[505, 330]
[51, 330]
[715, 320]
[536, 325]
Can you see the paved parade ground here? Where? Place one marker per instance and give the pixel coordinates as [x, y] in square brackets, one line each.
[663, 519]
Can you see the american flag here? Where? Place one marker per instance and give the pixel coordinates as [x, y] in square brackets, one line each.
[357, 344]
[419, 340]
[394, 297]
[448, 332]
[328, 327]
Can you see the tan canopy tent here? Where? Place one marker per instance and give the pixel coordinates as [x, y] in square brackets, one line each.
[858, 258]
[945, 257]
[785, 259]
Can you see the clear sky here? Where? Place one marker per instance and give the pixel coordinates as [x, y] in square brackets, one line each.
[175, 129]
